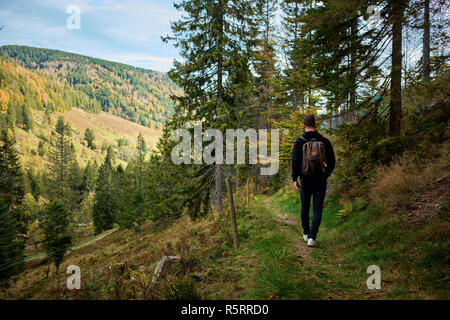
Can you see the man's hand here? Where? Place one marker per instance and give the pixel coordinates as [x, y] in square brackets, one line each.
[296, 187]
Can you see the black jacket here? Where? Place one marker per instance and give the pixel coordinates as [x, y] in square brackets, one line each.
[297, 154]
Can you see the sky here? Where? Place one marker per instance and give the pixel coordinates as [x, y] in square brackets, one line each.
[127, 31]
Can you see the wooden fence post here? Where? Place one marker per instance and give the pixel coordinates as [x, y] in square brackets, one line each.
[232, 214]
[248, 194]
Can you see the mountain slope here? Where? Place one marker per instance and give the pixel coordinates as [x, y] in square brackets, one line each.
[136, 94]
[31, 101]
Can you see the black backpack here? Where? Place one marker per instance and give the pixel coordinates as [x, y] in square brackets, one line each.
[314, 161]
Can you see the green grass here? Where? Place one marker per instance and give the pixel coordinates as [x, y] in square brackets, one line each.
[278, 273]
[411, 268]
[283, 266]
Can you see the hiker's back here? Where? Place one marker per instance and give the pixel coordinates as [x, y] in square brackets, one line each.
[314, 160]
[312, 157]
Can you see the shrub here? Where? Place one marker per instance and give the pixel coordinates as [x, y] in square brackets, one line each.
[181, 289]
[243, 229]
[347, 209]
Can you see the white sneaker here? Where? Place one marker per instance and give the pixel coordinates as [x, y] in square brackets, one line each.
[311, 242]
[305, 237]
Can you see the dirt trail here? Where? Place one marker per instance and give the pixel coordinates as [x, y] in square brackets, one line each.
[282, 218]
[318, 265]
[299, 243]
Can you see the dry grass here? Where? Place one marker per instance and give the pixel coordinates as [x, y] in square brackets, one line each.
[107, 127]
[195, 242]
[413, 184]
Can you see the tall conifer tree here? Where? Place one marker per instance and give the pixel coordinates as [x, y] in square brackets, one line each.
[62, 158]
[105, 202]
[57, 235]
[11, 195]
[215, 38]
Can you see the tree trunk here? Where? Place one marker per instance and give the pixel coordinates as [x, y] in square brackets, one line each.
[426, 42]
[248, 194]
[354, 34]
[255, 179]
[395, 112]
[218, 172]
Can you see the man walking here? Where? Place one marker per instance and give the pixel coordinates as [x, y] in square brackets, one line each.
[313, 161]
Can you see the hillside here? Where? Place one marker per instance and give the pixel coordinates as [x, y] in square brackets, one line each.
[31, 101]
[273, 261]
[108, 130]
[135, 94]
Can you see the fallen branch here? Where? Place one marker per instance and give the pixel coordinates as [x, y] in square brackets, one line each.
[160, 265]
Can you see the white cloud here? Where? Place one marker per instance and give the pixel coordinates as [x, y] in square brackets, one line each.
[146, 61]
[123, 31]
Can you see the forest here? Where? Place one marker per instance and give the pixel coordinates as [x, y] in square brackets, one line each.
[375, 74]
[135, 94]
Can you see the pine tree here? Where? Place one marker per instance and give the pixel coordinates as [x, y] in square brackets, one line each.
[297, 81]
[345, 53]
[123, 186]
[61, 161]
[11, 116]
[141, 151]
[395, 109]
[137, 210]
[57, 235]
[215, 39]
[90, 177]
[41, 148]
[426, 68]
[89, 137]
[75, 185]
[417, 17]
[265, 59]
[132, 210]
[27, 118]
[11, 195]
[266, 80]
[34, 182]
[166, 185]
[105, 202]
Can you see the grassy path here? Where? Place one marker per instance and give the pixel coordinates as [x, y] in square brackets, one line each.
[274, 261]
[286, 267]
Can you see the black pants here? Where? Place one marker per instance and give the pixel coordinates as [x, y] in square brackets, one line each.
[315, 187]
